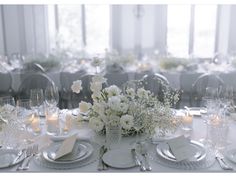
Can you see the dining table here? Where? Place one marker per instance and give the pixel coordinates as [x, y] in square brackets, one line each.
[198, 132]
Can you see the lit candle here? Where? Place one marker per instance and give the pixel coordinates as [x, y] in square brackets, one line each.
[52, 123]
[68, 123]
[187, 119]
[216, 120]
[35, 123]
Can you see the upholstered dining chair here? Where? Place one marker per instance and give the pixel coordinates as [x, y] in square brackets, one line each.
[6, 84]
[200, 85]
[34, 81]
[157, 84]
[66, 79]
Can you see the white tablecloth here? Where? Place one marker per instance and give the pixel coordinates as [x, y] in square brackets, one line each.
[199, 131]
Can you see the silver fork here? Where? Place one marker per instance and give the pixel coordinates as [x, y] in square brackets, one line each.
[28, 153]
[143, 152]
[220, 159]
[34, 151]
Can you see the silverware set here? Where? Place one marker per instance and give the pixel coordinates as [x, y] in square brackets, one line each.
[30, 152]
[143, 163]
[101, 164]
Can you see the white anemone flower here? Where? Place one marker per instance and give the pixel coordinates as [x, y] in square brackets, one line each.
[77, 86]
[127, 122]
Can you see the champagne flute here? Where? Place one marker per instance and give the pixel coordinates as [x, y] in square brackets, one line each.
[51, 96]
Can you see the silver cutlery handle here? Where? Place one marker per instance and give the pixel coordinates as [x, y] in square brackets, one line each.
[148, 166]
[223, 165]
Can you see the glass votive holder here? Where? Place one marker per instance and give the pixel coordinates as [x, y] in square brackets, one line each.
[67, 123]
[113, 135]
[52, 121]
[34, 123]
[187, 122]
[218, 131]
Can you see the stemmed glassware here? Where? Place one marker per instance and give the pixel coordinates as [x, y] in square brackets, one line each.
[210, 101]
[37, 100]
[51, 96]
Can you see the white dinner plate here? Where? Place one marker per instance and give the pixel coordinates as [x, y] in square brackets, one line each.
[163, 150]
[231, 155]
[7, 156]
[82, 151]
[119, 158]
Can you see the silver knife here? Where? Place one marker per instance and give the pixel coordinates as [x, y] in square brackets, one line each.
[19, 154]
[137, 161]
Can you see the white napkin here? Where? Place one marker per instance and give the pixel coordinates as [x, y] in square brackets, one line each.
[81, 134]
[181, 148]
[66, 147]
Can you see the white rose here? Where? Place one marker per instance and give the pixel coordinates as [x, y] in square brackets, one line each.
[127, 122]
[96, 96]
[113, 91]
[99, 108]
[99, 78]
[96, 86]
[77, 86]
[84, 106]
[96, 124]
[114, 103]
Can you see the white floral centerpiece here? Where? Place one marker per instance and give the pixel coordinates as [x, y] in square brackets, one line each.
[137, 110]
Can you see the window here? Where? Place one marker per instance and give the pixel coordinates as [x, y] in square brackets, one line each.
[84, 27]
[198, 22]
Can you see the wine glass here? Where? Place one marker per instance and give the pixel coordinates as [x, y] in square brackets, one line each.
[8, 104]
[51, 96]
[23, 108]
[37, 100]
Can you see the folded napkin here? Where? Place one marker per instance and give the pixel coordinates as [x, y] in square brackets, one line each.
[181, 148]
[81, 134]
[66, 147]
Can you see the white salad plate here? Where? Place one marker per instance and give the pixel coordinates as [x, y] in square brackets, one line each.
[119, 158]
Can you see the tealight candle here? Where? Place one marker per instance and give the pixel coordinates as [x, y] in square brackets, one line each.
[187, 121]
[216, 120]
[68, 123]
[52, 122]
[35, 123]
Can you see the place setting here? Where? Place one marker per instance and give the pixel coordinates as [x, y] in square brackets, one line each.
[68, 153]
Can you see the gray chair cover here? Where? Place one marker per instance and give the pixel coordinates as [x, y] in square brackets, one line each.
[200, 85]
[34, 81]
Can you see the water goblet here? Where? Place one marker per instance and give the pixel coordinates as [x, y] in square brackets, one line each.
[37, 100]
[51, 95]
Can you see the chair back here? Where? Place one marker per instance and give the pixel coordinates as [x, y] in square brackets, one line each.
[200, 85]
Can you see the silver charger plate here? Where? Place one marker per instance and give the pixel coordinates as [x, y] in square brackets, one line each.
[191, 164]
[7, 156]
[42, 162]
[81, 151]
[164, 151]
[119, 158]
